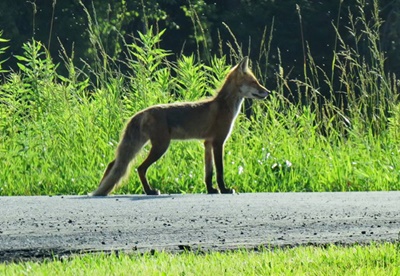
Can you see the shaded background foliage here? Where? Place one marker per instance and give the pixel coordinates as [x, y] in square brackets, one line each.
[62, 109]
[201, 26]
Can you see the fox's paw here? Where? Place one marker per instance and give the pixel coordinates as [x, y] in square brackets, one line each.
[228, 191]
[212, 191]
[153, 192]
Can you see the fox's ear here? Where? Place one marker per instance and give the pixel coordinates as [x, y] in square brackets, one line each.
[244, 65]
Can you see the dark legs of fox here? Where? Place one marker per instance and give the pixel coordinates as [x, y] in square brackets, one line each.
[214, 150]
[118, 167]
[209, 163]
[218, 150]
[158, 148]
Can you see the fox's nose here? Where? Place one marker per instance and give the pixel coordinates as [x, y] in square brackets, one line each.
[265, 92]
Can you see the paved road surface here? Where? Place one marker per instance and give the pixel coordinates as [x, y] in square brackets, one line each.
[37, 227]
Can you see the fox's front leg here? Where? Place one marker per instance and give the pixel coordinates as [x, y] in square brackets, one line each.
[218, 149]
[208, 167]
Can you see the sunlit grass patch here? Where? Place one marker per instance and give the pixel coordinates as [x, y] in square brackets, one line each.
[375, 259]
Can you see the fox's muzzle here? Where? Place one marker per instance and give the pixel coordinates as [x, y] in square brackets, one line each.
[262, 94]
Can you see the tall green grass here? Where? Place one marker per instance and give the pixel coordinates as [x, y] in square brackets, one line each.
[58, 133]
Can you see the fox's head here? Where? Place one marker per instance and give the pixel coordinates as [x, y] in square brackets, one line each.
[246, 82]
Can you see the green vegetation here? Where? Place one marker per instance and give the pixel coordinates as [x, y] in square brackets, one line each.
[334, 128]
[382, 259]
[58, 132]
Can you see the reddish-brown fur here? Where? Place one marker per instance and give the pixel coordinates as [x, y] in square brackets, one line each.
[210, 120]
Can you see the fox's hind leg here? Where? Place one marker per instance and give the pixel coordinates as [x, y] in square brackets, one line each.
[158, 147]
[208, 167]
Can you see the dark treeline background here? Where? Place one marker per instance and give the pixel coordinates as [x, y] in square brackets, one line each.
[202, 27]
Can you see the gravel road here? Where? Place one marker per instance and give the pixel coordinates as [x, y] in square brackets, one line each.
[39, 227]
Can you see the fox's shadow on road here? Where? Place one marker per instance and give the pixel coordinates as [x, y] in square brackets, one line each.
[124, 197]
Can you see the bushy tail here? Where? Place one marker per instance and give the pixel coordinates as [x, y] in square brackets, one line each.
[131, 143]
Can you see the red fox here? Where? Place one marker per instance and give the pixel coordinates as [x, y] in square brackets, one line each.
[210, 120]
